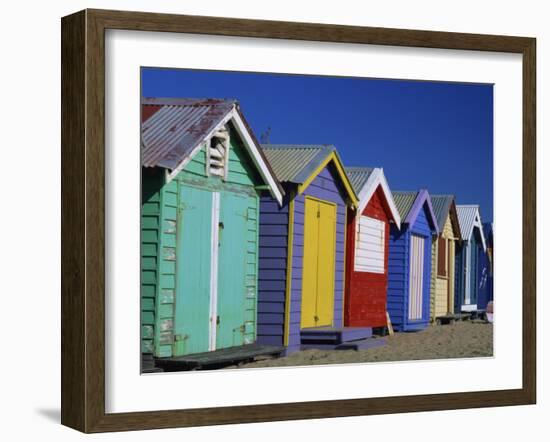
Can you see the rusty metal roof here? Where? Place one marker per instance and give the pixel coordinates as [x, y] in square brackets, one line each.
[294, 163]
[358, 176]
[173, 127]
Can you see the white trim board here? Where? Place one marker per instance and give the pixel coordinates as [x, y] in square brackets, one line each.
[250, 145]
[215, 220]
[377, 178]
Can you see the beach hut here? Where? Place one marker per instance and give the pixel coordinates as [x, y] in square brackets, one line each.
[202, 171]
[485, 266]
[467, 258]
[443, 256]
[301, 273]
[367, 248]
[410, 261]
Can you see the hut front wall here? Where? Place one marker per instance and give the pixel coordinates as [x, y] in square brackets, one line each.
[160, 245]
[441, 302]
[399, 273]
[366, 292]
[324, 187]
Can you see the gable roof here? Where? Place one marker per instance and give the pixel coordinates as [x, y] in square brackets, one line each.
[174, 129]
[299, 164]
[469, 218]
[365, 181]
[359, 176]
[410, 203]
[444, 206]
[294, 163]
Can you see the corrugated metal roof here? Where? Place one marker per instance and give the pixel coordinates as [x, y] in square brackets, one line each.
[174, 127]
[358, 176]
[441, 205]
[404, 202]
[466, 219]
[295, 162]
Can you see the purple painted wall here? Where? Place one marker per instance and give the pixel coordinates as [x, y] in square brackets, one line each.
[272, 271]
[273, 258]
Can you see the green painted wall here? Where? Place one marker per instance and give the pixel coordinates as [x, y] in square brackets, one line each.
[151, 182]
[160, 238]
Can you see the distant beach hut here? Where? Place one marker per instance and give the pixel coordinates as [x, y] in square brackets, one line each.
[367, 248]
[201, 174]
[467, 258]
[443, 256]
[485, 275]
[410, 261]
[301, 273]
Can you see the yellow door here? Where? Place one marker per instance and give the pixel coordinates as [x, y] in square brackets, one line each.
[318, 266]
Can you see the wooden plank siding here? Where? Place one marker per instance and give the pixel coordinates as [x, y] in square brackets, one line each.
[366, 292]
[272, 271]
[399, 273]
[440, 302]
[151, 182]
[274, 253]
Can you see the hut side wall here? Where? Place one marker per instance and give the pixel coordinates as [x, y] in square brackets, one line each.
[366, 292]
[272, 271]
[398, 274]
[151, 182]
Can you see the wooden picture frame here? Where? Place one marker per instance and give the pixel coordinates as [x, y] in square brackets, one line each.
[83, 220]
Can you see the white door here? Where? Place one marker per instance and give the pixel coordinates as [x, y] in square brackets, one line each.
[416, 274]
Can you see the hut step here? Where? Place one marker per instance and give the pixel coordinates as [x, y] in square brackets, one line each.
[334, 335]
[362, 344]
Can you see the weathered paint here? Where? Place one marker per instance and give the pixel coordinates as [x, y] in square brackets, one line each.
[176, 310]
[277, 296]
[399, 279]
[366, 292]
[442, 287]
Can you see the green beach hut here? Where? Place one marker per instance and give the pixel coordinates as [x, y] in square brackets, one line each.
[202, 172]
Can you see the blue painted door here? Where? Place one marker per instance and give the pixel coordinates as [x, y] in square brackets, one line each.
[192, 309]
[231, 293]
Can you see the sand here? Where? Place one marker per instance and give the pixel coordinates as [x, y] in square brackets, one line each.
[466, 339]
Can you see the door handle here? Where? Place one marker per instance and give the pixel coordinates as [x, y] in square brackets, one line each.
[220, 231]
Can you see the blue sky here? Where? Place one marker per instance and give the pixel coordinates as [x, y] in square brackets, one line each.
[432, 135]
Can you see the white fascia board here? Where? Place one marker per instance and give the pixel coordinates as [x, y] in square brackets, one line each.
[257, 157]
[477, 223]
[377, 178]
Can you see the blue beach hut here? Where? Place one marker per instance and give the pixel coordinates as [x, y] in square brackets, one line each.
[467, 272]
[410, 261]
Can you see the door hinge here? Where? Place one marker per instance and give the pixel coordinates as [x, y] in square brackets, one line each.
[318, 213]
[217, 319]
[316, 318]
